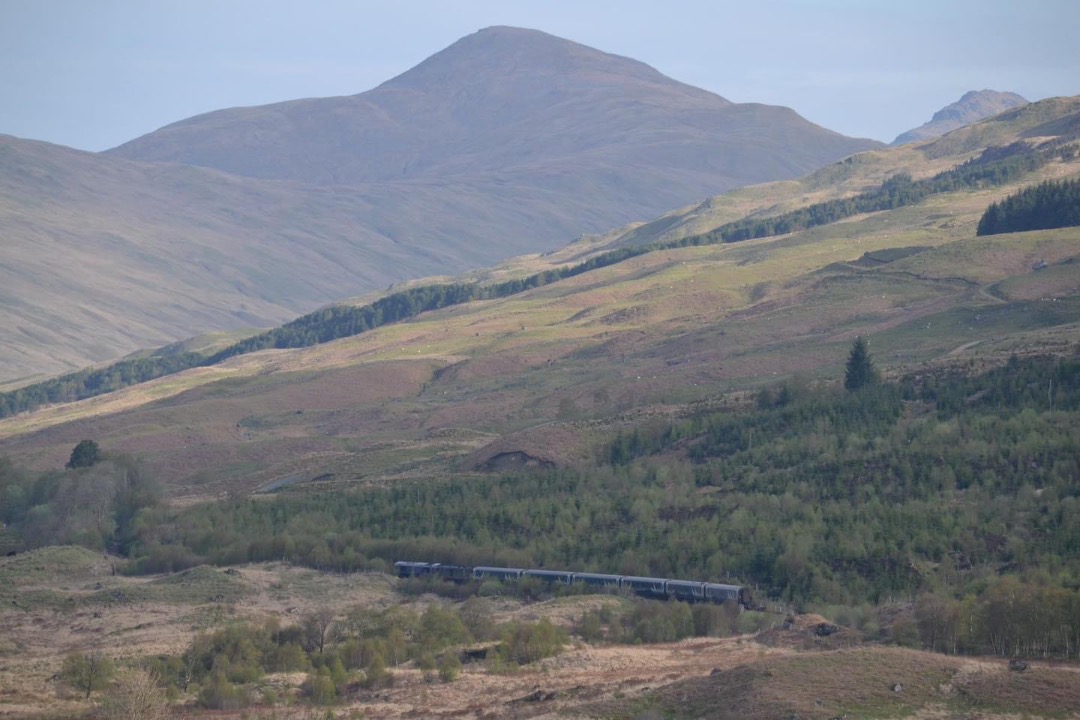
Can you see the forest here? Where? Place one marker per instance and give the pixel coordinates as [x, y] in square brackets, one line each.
[959, 492]
[1048, 205]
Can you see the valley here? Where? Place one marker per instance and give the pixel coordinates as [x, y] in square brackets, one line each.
[669, 397]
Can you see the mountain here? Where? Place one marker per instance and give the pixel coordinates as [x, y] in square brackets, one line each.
[508, 142]
[972, 107]
[514, 106]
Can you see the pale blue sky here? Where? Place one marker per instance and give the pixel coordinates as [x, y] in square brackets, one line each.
[94, 73]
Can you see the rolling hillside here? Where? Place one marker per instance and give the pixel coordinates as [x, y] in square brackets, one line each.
[508, 142]
[104, 256]
[544, 376]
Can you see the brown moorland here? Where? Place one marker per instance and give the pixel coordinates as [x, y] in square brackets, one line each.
[62, 600]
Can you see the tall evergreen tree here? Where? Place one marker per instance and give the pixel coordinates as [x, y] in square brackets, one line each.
[860, 370]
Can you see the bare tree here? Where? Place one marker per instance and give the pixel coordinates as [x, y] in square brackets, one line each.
[319, 628]
[136, 695]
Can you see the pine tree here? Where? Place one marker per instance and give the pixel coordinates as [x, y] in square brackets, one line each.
[860, 370]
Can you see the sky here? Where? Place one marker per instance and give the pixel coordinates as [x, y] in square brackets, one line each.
[92, 74]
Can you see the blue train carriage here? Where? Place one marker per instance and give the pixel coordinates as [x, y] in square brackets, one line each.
[550, 576]
[686, 590]
[406, 569]
[454, 573]
[720, 593]
[497, 573]
[648, 587]
[597, 579]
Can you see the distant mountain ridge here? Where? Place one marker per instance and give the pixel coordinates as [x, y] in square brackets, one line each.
[973, 106]
[508, 142]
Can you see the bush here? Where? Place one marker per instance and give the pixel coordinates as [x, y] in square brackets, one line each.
[426, 663]
[590, 628]
[905, 631]
[449, 666]
[220, 694]
[752, 622]
[524, 643]
[376, 675]
[320, 687]
[475, 613]
[654, 622]
[85, 454]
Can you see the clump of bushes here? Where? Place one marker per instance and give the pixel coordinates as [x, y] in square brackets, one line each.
[343, 653]
[655, 621]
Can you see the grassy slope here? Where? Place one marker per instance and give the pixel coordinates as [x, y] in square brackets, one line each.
[551, 371]
[104, 256]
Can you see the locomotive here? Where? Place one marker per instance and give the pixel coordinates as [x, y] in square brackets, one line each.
[647, 587]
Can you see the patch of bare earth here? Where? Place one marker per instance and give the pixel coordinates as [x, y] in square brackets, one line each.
[563, 686]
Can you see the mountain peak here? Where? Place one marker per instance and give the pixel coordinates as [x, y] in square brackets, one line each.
[973, 106]
[500, 55]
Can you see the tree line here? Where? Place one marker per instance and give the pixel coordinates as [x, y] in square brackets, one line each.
[92, 382]
[996, 166]
[98, 505]
[1007, 617]
[1000, 434]
[1050, 204]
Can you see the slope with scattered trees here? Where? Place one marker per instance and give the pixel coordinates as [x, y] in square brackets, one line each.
[995, 166]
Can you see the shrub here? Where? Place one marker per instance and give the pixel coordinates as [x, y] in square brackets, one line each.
[449, 666]
[320, 687]
[376, 675]
[220, 694]
[524, 643]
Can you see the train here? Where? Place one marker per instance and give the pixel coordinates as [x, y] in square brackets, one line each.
[648, 587]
